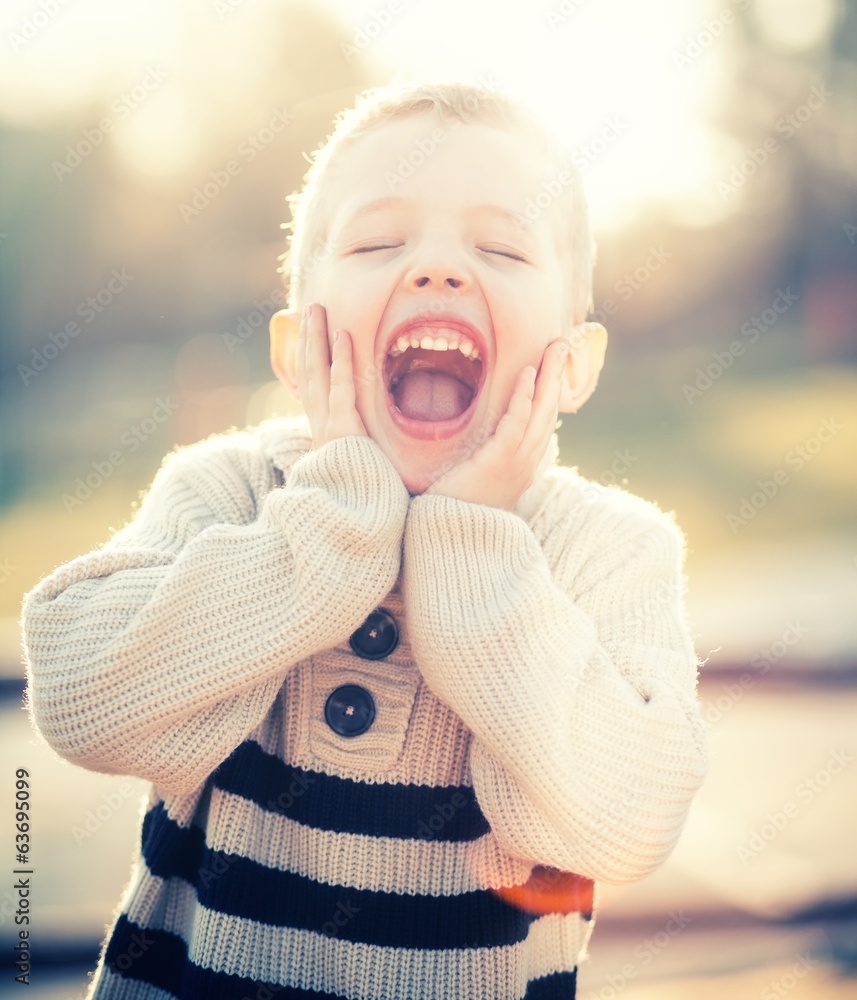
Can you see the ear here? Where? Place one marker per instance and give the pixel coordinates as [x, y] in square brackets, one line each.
[583, 365]
[285, 330]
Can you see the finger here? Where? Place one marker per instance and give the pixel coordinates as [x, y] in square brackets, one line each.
[300, 352]
[341, 375]
[343, 402]
[510, 430]
[301, 356]
[545, 400]
[318, 352]
[318, 362]
[308, 386]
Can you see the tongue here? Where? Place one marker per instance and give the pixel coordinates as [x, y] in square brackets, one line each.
[426, 395]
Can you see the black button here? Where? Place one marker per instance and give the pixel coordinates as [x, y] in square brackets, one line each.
[377, 637]
[350, 710]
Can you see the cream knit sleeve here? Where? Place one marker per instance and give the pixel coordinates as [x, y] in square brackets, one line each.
[573, 667]
[157, 654]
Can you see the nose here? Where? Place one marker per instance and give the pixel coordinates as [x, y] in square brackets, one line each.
[438, 267]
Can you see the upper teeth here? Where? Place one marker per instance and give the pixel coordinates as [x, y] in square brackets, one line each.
[448, 340]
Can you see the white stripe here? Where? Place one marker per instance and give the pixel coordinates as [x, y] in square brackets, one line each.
[109, 986]
[357, 861]
[312, 961]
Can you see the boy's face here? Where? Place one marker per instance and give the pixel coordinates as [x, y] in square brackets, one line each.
[423, 242]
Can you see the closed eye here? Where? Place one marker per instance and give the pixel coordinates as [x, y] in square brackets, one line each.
[376, 246]
[511, 255]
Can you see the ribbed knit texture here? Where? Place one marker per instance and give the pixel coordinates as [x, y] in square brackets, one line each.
[539, 710]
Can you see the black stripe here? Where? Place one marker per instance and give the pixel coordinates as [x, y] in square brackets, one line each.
[244, 888]
[169, 849]
[156, 957]
[469, 920]
[326, 802]
[558, 986]
[160, 959]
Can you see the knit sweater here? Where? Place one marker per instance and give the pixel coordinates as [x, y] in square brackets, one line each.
[536, 728]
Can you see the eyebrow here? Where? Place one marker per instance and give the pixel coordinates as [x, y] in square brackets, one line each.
[516, 219]
[378, 205]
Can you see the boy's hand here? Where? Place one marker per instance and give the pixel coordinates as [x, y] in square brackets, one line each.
[503, 467]
[326, 384]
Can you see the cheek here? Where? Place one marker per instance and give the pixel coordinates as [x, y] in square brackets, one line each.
[528, 326]
[354, 305]
[540, 316]
[522, 321]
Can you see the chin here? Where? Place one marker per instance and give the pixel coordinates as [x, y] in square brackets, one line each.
[415, 483]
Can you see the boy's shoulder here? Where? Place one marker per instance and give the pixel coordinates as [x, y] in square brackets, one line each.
[604, 514]
[277, 440]
[223, 477]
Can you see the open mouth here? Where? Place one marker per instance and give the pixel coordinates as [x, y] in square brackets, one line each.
[433, 376]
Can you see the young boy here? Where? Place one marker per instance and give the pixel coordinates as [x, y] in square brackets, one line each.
[404, 687]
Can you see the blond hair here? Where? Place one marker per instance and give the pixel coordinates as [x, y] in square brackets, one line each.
[454, 101]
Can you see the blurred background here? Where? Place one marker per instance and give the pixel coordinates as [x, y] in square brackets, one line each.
[147, 148]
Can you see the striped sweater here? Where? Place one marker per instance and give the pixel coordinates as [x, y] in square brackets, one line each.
[536, 728]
